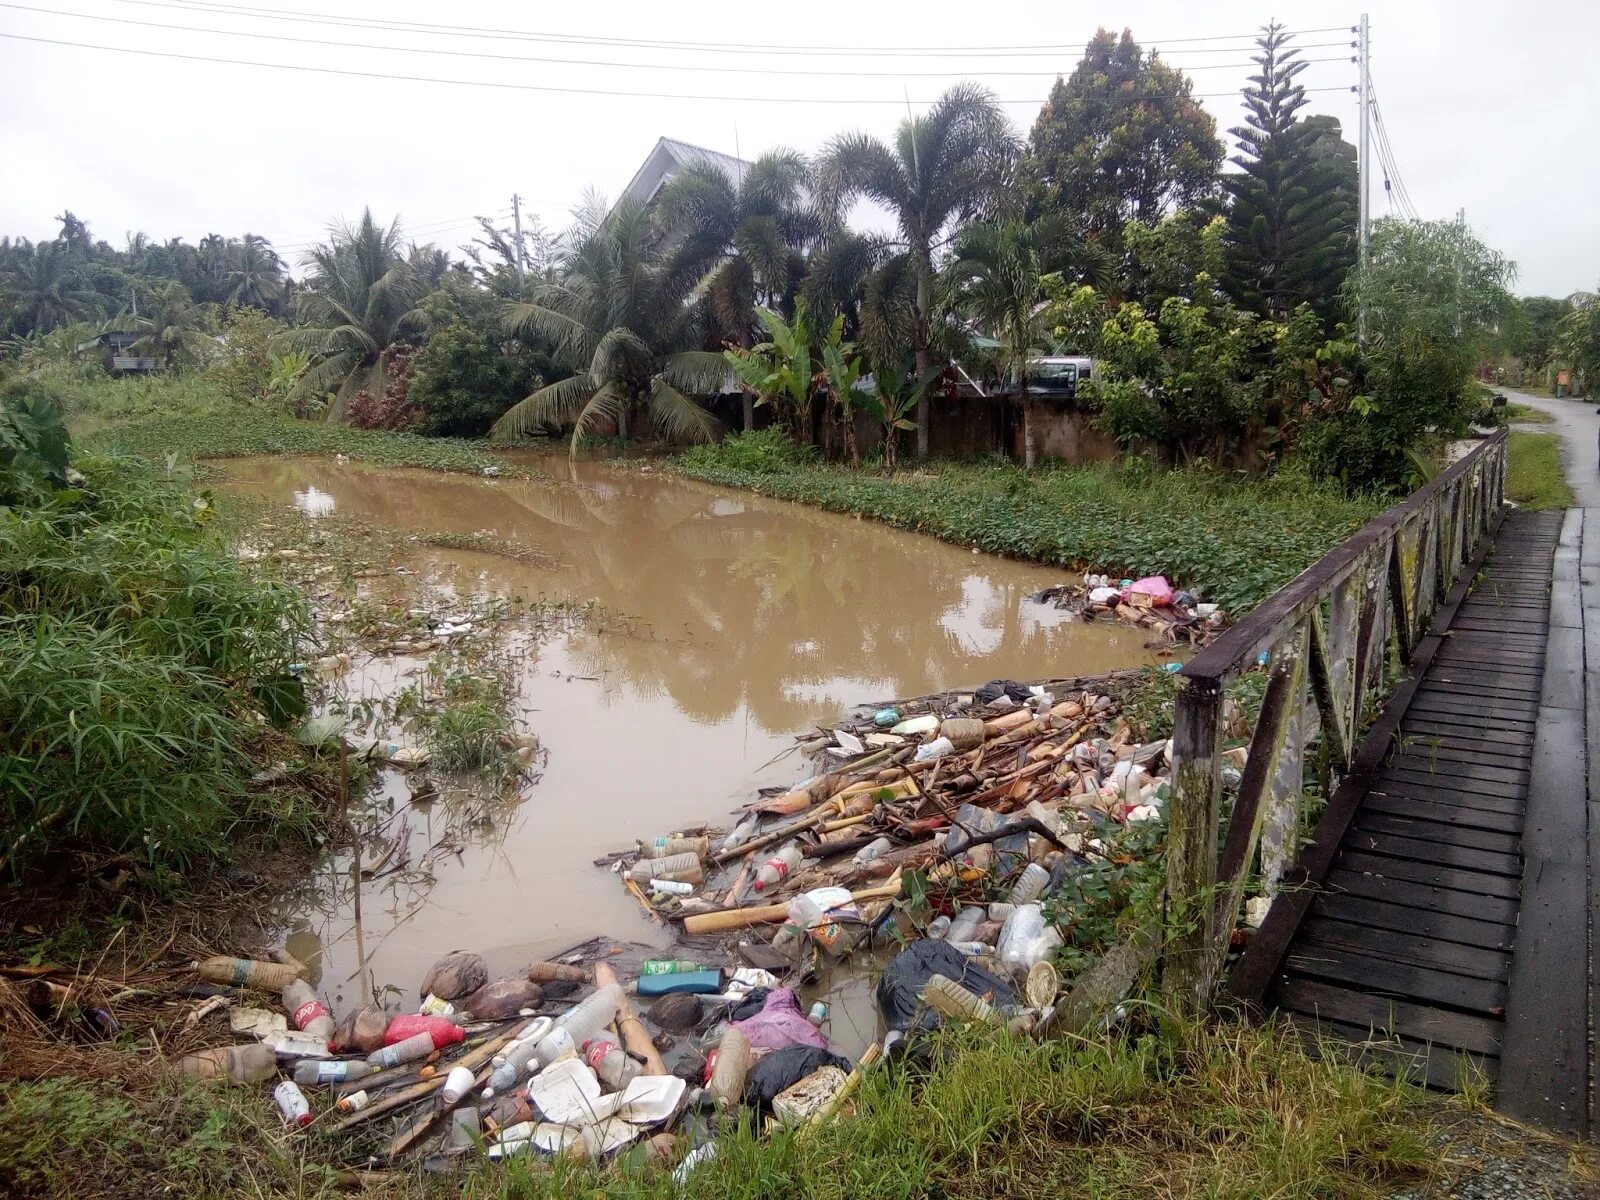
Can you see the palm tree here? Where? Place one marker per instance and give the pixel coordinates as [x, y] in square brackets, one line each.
[256, 274]
[627, 328]
[994, 278]
[360, 298]
[49, 288]
[944, 168]
[743, 241]
[171, 328]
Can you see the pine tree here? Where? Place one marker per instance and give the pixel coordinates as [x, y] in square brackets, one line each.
[1292, 221]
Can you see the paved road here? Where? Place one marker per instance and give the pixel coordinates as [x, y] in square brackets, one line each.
[1579, 426]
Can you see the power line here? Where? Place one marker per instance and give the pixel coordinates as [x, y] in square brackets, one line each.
[522, 87]
[574, 62]
[700, 47]
[1386, 156]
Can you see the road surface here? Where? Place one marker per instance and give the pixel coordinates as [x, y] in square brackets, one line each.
[1578, 425]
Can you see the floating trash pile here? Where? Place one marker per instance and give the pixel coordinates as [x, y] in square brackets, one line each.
[1177, 617]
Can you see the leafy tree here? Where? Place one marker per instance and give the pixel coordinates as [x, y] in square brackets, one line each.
[246, 356]
[1292, 221]
[49, 289]
[1536, 328]
[462, 382]
[842, 370]
[255, 274]
[1166, 258]
[1121, 139]
[1578, 337]
[743, 240]
[360, 299]
[995, 277]
[944, 169]
[173, 328]
[627, 328]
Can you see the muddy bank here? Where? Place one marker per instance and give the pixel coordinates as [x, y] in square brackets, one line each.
[723, 624]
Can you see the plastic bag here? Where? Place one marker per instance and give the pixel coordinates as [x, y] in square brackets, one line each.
[1155, 587]
[444, 1032]
[782, 1069]
[780, 1024]
[908, 971]
[753, 1003]
[996, 688]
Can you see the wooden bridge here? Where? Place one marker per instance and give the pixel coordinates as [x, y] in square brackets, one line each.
[1414, 814]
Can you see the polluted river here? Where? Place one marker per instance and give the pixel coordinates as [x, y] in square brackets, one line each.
[723, 625]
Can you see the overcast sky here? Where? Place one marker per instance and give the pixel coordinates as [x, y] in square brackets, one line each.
[1490, 107]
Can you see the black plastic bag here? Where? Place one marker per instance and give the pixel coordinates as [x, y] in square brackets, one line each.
[995, 688]
[908, 971]
[782, 1069]
[754, 1001]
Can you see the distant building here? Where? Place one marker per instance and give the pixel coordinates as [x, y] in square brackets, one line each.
[113, 347]
[668, 158]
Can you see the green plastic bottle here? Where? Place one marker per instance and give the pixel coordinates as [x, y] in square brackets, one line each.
[670, 966]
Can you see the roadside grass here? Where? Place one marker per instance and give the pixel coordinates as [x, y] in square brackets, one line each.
[1527, 414]
[1534, 478]
[1235, 538]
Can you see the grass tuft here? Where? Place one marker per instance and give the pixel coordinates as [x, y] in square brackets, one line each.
[1534, 478]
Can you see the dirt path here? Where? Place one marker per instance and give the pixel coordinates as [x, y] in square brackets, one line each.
[1578, 425]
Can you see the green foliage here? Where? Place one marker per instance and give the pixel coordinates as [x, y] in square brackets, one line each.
[779, 370]
[1534, 478]
[247, 366]
[1578, 337]
[131, 642]
[896, 397]
[761, 452]
[173, 329]
[1235, 538]
[1165, 259]
[463, 381]
[1292, 221]
[1121, 139]
[33, 443]
[1111, 896]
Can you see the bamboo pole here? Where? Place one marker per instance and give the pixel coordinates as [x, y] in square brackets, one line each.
[474, 1059]
[635, 1037]
[740, 918]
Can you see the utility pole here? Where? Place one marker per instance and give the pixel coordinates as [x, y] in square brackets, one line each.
[1363, 162]
[516, 213]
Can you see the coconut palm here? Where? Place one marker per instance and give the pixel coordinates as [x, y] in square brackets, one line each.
[360, 299]
[622, 321]
[256, 274]
[944, 168]
[994, 278]
[743, 240]
[172, 327]
[49, 289]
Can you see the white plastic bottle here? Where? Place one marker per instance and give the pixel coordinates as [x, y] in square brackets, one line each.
[611, 1063]
[966, 922]
[872, 850]
[779, 867]
[1030, 884]
[291, 1102]
[316, 1072]
[580, 1023]
[418, 1045]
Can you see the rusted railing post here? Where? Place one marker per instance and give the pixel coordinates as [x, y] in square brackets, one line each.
[1188, 967]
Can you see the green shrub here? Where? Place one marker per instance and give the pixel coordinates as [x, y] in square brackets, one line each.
[761, 452]
[33, 443]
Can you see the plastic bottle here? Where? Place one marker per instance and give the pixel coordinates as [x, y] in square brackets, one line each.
[291, 1102]
[463, 1130]
[418, 1045]
[580, 1023]
[741, 832]
[817, 1014]
[938, 927]
[305, 1011]
[700, 982]
[611, 1063]
[246, 972]
[672, 887]
[1030, 884]
[670, 966]
[666, 847]
[872, 850]
[432, 1006]
[552, 972]
[733, 1064]
[950, 999]
[1024, 939]
[317, 1072]
[510, 1063]
[354, 1102]
[456, 1085]
[938, 748]
[967, 920]
[679, 868]
[777, 868]
[241, 1064]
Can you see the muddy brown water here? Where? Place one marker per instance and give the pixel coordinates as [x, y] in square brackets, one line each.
[750, 620]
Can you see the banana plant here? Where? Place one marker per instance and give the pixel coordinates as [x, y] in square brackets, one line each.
[896, 397]
[842, 367]
[778, 371]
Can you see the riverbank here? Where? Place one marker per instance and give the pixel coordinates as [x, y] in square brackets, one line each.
[1234, 538]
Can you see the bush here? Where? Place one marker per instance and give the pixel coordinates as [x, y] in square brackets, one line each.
[463, 382]
[760, 452]
[393, 409]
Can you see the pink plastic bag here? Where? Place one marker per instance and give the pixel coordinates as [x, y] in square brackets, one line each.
[1154, 586]
[780, 1023]
[444, 1033]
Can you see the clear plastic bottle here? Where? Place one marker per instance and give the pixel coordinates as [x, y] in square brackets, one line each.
[1025, 939]
[291, 1102]
[967, 920]
[580, 1023]
[678, 868]
[1030, 884]
[872, 850]
[246, 972]
[726, 1085]
[779, 867]
[948, 998]
[742, 831]
[611, 1063]
[241, 1064]
[305, 1011]
[938, 927]
[316, 1073]
[418, 1045]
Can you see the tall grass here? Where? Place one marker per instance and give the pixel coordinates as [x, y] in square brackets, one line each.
[136, 660]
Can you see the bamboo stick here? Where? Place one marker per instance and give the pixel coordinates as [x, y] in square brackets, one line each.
[635, 1037]
[400, 1099]
[740, 918]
